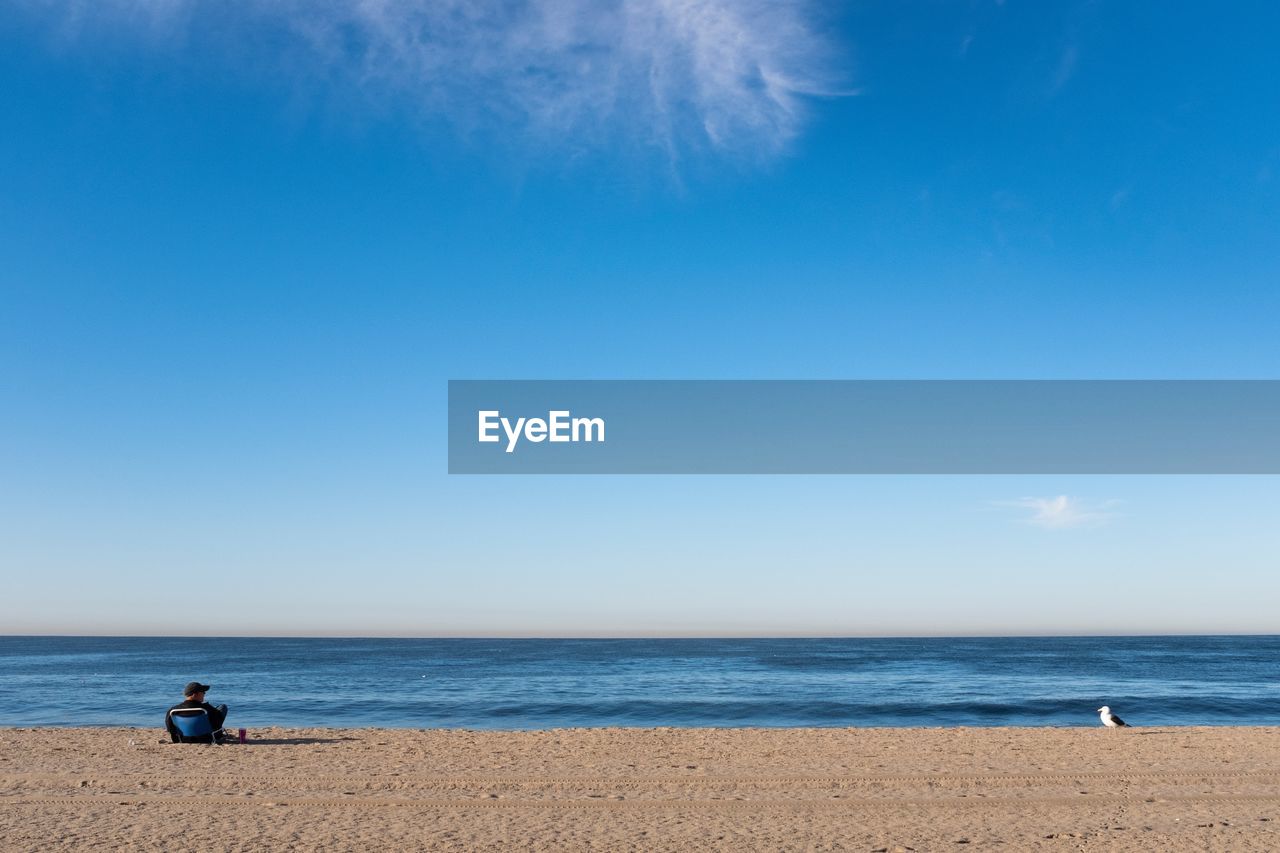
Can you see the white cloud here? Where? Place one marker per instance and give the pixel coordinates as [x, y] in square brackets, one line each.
[1063, 511]
[681, 75]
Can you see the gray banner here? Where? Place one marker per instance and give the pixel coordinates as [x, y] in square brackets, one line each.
[864, 427]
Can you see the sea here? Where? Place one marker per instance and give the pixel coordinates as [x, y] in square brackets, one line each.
[554, 683]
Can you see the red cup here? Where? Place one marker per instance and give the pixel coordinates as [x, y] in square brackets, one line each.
[243, 736]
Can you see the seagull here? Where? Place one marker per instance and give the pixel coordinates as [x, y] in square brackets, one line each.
[1110, 720]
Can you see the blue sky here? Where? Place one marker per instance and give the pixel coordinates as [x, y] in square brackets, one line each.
[244, 245]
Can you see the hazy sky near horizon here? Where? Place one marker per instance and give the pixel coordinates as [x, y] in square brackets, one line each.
[244, 245]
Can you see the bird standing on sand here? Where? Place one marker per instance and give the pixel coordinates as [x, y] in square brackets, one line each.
[1110, 720]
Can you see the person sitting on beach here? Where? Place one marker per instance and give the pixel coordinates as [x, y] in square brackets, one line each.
[194, 693]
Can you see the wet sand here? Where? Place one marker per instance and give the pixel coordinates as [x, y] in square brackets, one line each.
[645, 789]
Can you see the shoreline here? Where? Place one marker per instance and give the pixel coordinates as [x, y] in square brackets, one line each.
[233, 726]
[1054, 788]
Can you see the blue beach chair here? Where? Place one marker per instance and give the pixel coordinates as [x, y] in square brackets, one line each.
[193, 725]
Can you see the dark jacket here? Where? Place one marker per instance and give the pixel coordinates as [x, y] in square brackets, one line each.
[216, 716]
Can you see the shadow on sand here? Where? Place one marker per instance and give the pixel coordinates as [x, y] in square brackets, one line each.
[288, 741]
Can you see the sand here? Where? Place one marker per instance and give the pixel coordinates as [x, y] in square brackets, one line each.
[645, 789]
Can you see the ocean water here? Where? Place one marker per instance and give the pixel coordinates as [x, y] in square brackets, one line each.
[523, 684]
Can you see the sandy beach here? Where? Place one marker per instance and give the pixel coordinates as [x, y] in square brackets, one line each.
[645, 789]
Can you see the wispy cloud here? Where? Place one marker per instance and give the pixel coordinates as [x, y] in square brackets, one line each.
[678, 75]
[1062, 511]
[1065, 70]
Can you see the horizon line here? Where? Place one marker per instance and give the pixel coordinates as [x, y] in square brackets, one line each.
[674, 636]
